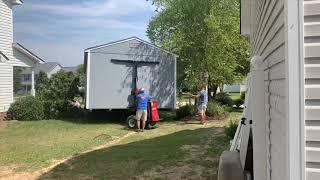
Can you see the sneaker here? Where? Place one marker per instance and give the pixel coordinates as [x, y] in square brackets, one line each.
[141, 130]
[138, 130]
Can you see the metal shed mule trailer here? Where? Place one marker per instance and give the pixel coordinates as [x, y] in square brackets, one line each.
[114, 70]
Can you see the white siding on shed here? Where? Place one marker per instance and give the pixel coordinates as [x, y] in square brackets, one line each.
[312, 87]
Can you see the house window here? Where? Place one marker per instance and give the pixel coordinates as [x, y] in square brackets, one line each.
[27, 77]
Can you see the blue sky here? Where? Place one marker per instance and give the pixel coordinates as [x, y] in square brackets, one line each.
[60, 30]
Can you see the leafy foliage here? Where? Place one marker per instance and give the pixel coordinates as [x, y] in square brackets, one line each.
[243, 96]
[231, 129]
[80, 73]
[215, 109]
[185, 111]
[224, 99]
[26, 109]
[58, 93]
[42, 77]
[205, 35]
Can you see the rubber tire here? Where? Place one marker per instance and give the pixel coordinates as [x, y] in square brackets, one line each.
[132, 122]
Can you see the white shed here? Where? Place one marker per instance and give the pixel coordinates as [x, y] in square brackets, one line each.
[10, 55]
[285, 70]
[115, 69]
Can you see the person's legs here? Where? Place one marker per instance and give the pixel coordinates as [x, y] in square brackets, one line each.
[138, 117]
[203, 111]
[144, 119]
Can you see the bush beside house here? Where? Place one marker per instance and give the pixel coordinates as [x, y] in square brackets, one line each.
[224, 99]
[55, 98]
[26, 109]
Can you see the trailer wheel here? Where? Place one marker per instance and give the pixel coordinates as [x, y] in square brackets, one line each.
[131, 121]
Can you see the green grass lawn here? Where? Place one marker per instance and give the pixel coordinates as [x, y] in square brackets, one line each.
[30, 145]
[234, 96]
[175, 150]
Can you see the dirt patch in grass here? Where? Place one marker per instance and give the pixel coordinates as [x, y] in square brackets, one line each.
[196, 164]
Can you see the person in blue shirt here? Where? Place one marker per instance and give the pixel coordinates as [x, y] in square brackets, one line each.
[142, 105]
[202, 105]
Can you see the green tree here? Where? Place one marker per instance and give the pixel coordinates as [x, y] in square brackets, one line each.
[41, 77]
[58, 93]
[205, 35]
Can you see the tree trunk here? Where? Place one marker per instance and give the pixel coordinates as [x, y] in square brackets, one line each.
[213, 89]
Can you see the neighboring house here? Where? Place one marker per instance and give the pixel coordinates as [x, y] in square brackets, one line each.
[49, 68]
[70, 69]
[284, 90]
[11, 55]
[234, 88]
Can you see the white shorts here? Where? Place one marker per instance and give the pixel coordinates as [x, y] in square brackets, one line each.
[141, 115]
[202, 109]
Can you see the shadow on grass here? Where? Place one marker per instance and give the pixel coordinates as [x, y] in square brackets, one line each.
[130, 160]
[114, 116]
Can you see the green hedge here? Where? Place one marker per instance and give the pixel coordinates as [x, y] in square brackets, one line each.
[224, 99]
[185, 111]
[26, 109]
[215, 109]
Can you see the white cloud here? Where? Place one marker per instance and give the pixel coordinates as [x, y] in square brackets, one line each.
[95, 8]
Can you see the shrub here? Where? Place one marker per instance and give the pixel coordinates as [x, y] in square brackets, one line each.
[167, 115]
[215, 109]
[224, 99]
[58, 93]
[184, 111]
[243, 96]
[26, 109]
[231, 129]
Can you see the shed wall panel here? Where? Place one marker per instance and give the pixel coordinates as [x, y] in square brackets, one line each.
[312, 97]
[111, 82]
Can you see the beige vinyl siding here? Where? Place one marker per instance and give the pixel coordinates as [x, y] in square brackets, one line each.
[312, 87]
[268, 42]
[6, 28]
[6, 86]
